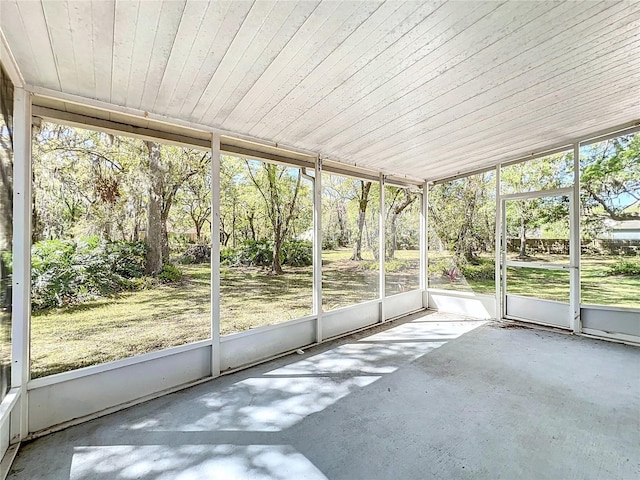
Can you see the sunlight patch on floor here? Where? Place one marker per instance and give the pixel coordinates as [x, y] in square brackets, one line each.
[192, 462]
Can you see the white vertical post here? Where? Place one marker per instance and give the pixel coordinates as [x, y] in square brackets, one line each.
[21, 287]
[382, 247]
[317, 248]
[574, 244]
[503, 256]
[424, 244]
[215, 255]
[498, 246]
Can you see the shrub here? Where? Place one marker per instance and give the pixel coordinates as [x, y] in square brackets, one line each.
[249, 253]
[483, 270]
[298, 253]
[71, 271]
[625, 266]
[169, 274]
[7, 260]
[440, 266]
[397, 265]
[142, 283]
[197, 254]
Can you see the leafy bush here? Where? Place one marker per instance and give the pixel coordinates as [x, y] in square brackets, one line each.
[196, 254]
[483, 270]
[7, 260]
[169, 274]
[625, 266]
[437, 267]
[142, 283]
[250, 253]
[71, 271]
[329, 242]
[397, 265]
[480, 269]
[298, 253]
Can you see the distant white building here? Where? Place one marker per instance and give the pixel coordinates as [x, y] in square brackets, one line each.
[625, 230]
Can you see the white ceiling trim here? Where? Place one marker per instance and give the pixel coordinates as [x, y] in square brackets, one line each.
[9, 63]
[50, 105]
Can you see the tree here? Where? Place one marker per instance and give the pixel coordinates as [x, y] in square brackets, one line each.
[338, 195]
[85, 183]
[169, 169]
[279, 188]
[611, 178]
[156, 235]
[193, 200]
[462, 215]
[401, 199]
[545, 173]
[6, 164]
[363, 202]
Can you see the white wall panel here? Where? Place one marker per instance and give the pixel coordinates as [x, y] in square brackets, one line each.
[402, 303]
[612, 321]
[4, 435]
[252, 346]
[463, 303]
[56, 403]
[340, 321]
[547, 312]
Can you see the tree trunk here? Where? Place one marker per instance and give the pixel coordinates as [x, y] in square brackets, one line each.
[362, 211]
[154, 234]
[164, 239]
[252, 228]
[198, 233]
[523, 238]
[393, 244]
[276, 265]
[396, 211]
[343, 239]
[233, 225]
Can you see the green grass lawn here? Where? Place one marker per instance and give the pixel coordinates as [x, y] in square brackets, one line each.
[598, 287]
[144, 321]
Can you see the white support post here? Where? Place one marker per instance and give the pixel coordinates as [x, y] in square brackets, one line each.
[424, 239]
[503, 257]
[498, 246]
[21, 287]
[574, 245]
[317, 248]
[382, 247]
[215, 255]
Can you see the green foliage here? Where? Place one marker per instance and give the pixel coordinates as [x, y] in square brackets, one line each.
[170, 274]
[610, 177]
[65, 272]
[396, 265]
[480, 270]
[462, 216]
[329, 243]
[440, 266]
[250, 253]
[625, 266]
[196, 254]
[7, 260]
[296, 253]
[142, 283]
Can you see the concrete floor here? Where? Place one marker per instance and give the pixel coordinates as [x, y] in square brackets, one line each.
[414, 399]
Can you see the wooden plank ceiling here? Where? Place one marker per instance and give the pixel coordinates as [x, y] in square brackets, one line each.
[427, 89]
